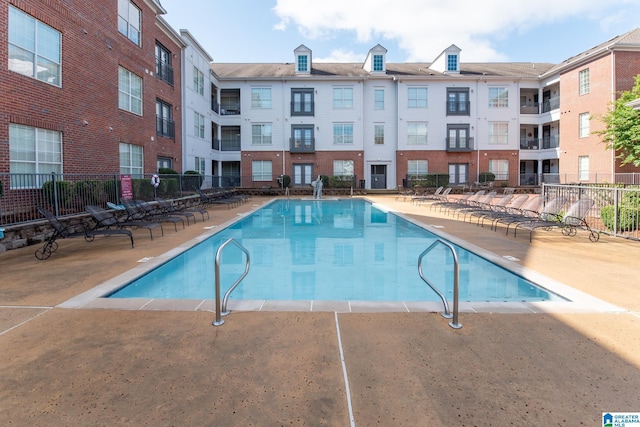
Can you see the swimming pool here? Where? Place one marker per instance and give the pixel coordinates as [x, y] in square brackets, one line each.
[333, 250]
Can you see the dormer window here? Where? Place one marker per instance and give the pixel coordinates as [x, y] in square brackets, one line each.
[452, 62]
[303, 64]
[378, 63]
[375, 61]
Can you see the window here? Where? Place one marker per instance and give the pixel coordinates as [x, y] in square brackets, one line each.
[129, 91]
[583, 168]
[303, 63]
[584, 125]
[343, 133]
[416, 133]
[417, 167]
[458, 102]
[164, 162]
[458, 173]
[343, 167]
[458, 138]
[498, 133]
[452, 62]
[417, 97]
[342, 97]
[261, 170]
[164, 70]
[198, 81]
[164, 124]
[500, 168]
[131, 160]
[302, 138]
[498, 97]
[378, 99]
[198, 124]
[378, 134]
[302, 102]
[199, 165]
[33, 151]
[34, 48]
[378, 63]
[129, 20]
[583, 78]
[261, 134]
[261, 97]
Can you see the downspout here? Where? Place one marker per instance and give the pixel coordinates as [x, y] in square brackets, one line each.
[284, 139]
[613, 99]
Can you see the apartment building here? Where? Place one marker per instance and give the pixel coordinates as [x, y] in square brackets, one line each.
[89, 87]
[385, 122]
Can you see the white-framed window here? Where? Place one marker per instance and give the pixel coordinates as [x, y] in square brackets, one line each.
[417, 97]
[34, 48]
[261, 97]
[199, 165]
[342, 97]
[343, 167]
[129, 91]
[583, 78]
[583, 168]
[417, 167]
[129, 20]
[33, 151]
[378, 62]
[198, 124]
[500, 168]
[261, 170]
[378, 99]
[584, 125]
[302, 64]
[452, 62]
[198, 81]
[261, 134]
[498, 133]
[498, 97]
[417, 133]
[378, 133]
[343, 133]
[131, 160]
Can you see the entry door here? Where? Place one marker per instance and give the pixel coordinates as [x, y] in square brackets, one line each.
[302, 174]
[378, 176]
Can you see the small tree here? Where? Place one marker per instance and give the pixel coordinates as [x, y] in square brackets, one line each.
[622, 132]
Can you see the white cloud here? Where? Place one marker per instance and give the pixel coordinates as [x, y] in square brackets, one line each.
[424, 28]
[342, 56]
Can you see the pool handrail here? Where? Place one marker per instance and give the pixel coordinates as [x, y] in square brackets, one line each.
[456, 283]
[221, 308]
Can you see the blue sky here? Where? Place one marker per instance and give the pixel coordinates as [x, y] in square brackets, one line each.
[411, 30]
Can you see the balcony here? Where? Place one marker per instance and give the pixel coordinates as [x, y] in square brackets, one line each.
[229, 102]
[164, 71]
[459, 145]
[551, 141]
[165, 128]
[229, 144]
[551, 104]
[529, 107]
[458, 108]
[302, 145]
[529, 143]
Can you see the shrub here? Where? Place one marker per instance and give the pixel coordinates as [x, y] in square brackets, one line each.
[430, 180]
[191, 181]
[337, 181]
[167, 171]
[63, 191]
[627, 217]
[285, 180]
[486, 177]
[87, 192]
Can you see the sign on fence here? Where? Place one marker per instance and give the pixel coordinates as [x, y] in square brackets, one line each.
[125, 185]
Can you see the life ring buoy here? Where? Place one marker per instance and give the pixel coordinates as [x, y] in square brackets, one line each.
[155, 180]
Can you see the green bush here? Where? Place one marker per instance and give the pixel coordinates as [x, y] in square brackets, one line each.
[63, 191]
[87, 192]
[627, 217]
[486, 177]
[167, 171]
[430, 180]
[191, 181]
[337, 181]
[285, 180]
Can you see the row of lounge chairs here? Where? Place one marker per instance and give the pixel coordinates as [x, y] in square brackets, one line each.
[131, 214]
[515, 212]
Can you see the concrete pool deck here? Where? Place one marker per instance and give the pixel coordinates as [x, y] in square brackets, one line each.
[91, 366]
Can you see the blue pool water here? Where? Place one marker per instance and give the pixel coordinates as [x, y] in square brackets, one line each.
[329, 250]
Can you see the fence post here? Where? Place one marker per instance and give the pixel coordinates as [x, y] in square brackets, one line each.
[55, 194]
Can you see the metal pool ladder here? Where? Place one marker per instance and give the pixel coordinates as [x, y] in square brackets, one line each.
[456, 282]
[221, 309]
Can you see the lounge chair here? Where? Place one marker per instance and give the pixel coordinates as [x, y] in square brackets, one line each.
[143, 211]
[427, 197]
[529, 210]
[106, 219]
[512, 208]
[498, 204]
[551, 211]
[568, 223]
[172, 208]
[60, 231]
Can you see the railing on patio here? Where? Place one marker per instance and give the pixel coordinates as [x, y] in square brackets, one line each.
[616, 211]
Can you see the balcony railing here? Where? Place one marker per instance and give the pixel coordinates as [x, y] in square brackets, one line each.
[166, 128]
[230, 144]
[164, 71]
[458, 108]
[302, 145]
[529, 143]
[551, 104]
[459, 145]
[529, 107]
[552, 141]
[230, 109]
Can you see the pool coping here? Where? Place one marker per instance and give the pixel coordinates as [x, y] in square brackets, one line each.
[577, 301]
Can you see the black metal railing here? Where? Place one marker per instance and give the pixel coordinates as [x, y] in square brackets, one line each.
[166, 128]
[164, 71]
